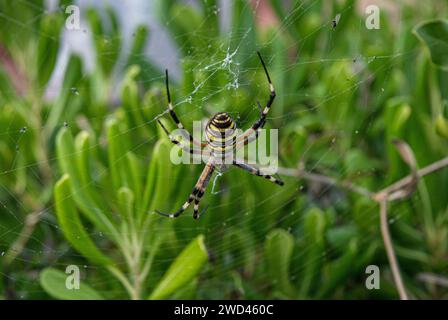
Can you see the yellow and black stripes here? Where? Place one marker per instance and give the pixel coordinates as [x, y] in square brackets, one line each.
[257, 172]
[196, 194]
[202, 185]
[220, 134]
[222, 121]
[183, 208]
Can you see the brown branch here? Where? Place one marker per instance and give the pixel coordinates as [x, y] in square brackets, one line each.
[315, 177]
[19, 244]
[390, 250]
[402, 183]
[30, 223]
[433, 279]
[348, 185]
[395, 191]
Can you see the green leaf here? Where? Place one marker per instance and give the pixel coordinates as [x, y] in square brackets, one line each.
[135, 170]
[434, 35]
[183, 270]
[54, 283]
[48, 47]
[243, 19]
[140, 41]
[131, 100]
[340, 236]
[82, 193]
[239, 246]
[185, 25]
[278, 249]
[157, 189]
[107, 44]
[442, 126]
[118, 146]
[314, 230]
[396, 120]
[295, 143]
[339, 270]
[125, 198]
[277, 5]
[69, 95]
[71, 224]
[162, 9]
[82, 147]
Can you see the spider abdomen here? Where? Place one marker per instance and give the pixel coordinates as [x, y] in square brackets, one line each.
[220, 133]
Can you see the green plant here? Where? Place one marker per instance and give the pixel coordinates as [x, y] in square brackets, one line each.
[123, 218]
[92, 169]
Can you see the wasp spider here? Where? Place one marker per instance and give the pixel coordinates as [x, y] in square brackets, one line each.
[221, 140]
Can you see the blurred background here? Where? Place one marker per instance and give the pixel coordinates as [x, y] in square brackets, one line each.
[83, 164]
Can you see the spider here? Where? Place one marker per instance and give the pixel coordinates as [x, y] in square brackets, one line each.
[221, 139]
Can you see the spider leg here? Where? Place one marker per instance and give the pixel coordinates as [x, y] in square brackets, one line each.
[196, 194]
[245, 139]
[206, 175]
[257, 172]
[181, 145]
[173, 113]
[184, 207]
[249, 139]
[262, 120]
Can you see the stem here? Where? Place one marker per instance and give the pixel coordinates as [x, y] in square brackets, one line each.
[42, 149]
[392, 192]
[434, 279]
[132, 252]
[402, 183]
[33, 218]
[124, 281]
[310, 176]
[31, 221]
[17, 247]
[390, 250]
[150, 259]
[135, 270]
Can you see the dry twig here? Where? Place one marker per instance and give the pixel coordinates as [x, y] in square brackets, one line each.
[398, 190]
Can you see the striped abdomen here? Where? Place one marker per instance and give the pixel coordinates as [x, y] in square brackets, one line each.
[220, 133]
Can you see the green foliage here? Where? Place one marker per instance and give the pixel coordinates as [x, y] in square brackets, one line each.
[94, 165]
[47, 47]
[72, 226]
[182, 270]
[54, 282]
[124, 217]
[278, 250]
[435, 36]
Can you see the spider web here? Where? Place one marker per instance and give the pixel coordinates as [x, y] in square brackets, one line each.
[225, 59]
